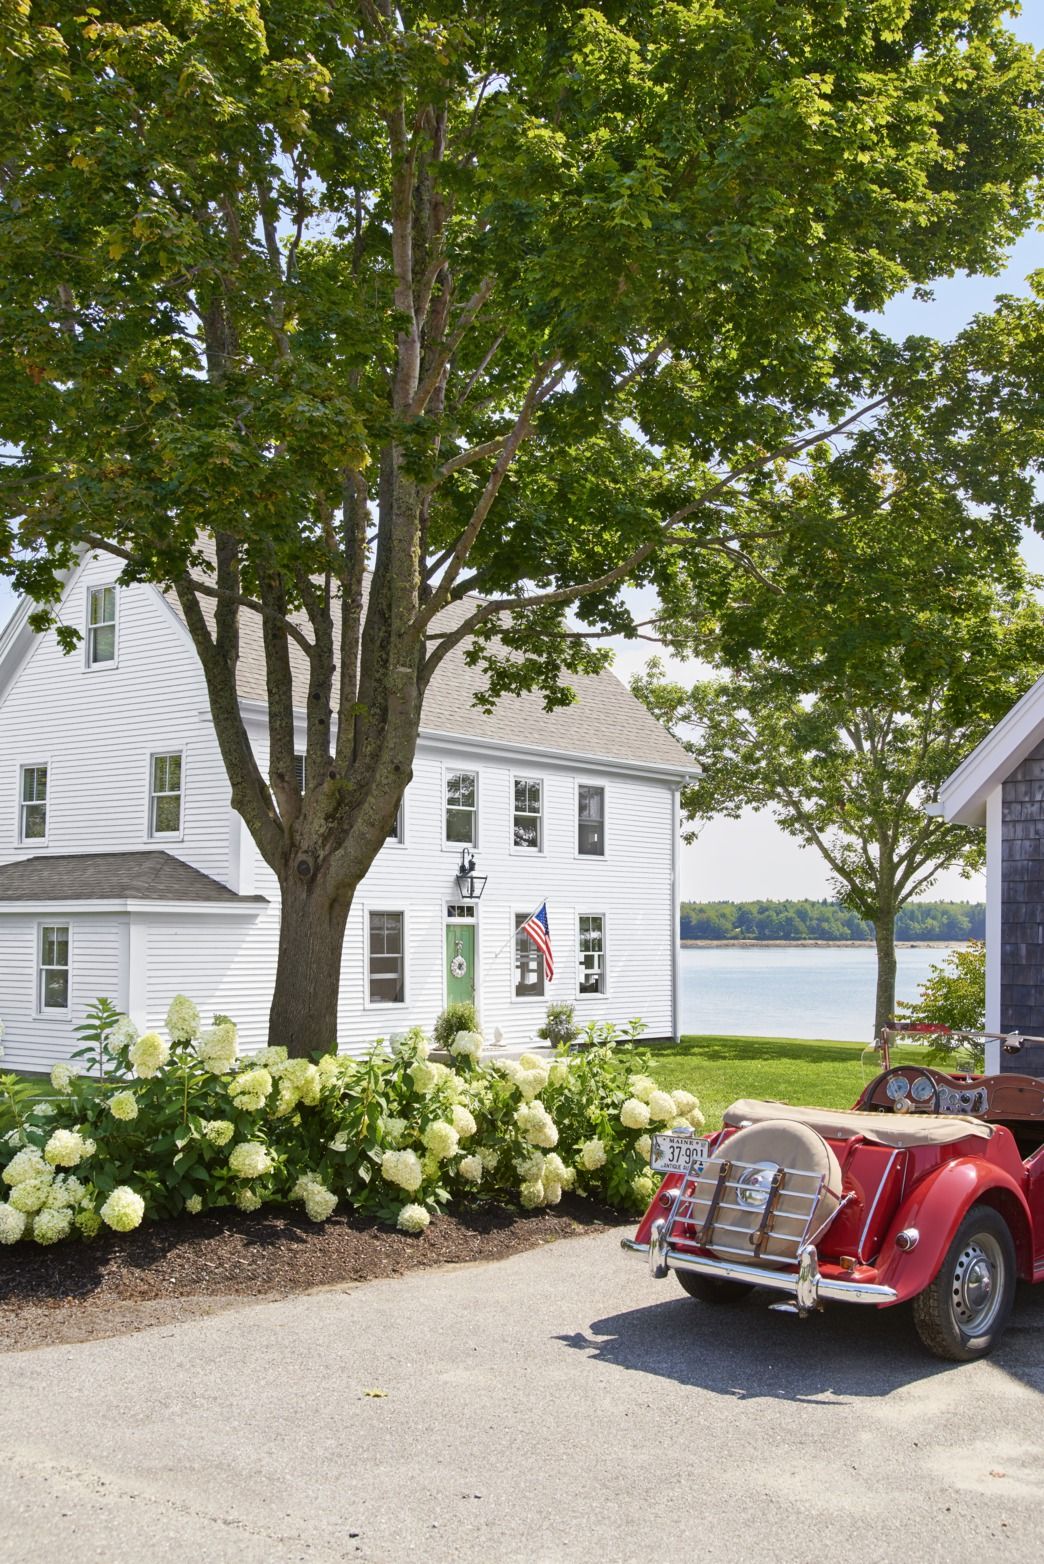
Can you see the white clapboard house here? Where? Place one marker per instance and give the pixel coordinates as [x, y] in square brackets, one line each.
[125, 872]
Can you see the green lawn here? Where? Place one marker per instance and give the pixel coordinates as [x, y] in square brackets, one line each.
[785, 1069]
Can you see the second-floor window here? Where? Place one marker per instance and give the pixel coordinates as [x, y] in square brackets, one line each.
[165, 795]
[32, 826]
[462, 808]
[527, 825]
[101, 626]
[590, 822]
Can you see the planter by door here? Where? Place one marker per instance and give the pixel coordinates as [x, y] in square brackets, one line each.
[460, 962]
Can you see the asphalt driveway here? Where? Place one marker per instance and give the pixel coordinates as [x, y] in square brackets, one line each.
[559, 1405]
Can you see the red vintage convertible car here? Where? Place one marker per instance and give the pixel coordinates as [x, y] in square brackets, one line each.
[930, 1190]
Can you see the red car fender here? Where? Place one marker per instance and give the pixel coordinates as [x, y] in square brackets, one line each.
[936, 1208]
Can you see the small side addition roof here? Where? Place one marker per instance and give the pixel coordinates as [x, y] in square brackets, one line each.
[145, 876]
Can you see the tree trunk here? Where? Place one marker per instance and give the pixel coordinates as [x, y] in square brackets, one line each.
[303, 1017]
[884, 937]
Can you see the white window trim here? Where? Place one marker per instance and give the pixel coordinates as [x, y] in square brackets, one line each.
[578, 783]
[89, 666]
[166, 836]
[52, 1011]
[591, 912]
[398, 843]
[527, 1000]
[389, 1006]
[455, 847]
[32, 842]
[475, 923]
[513, 847]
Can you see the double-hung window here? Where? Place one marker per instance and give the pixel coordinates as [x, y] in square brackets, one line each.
[529, 964]
[53, 977]
[462, 808]
[590, 821]
[527, 824]
[165, 795]
[396, 832]
[101, 626]
[386, 970]
[591, 953]
[32, 823]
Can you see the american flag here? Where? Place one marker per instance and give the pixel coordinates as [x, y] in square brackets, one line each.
[539, 932]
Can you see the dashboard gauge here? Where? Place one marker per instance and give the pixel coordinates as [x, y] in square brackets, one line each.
[922, 1088]
[968, 1101]
[897, 1087]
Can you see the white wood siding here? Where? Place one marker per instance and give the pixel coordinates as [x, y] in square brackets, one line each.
[97, 968]
[97, 727]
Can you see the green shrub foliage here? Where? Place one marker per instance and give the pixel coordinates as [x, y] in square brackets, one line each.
[461, 1016]
[954, 995]
[179, 1122]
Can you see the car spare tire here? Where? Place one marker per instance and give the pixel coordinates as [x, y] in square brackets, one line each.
[808, 1194]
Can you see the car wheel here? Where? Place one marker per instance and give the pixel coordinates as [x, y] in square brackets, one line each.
[962, 1314]
[712, 1289]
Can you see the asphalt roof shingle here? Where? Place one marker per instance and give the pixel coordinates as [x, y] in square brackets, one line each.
[141, 876]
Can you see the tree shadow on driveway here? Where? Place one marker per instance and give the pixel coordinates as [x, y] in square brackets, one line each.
[749, 1352]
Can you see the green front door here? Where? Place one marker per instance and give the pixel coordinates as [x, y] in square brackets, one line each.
[460, 962]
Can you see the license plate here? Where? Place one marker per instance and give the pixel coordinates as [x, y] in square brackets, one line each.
[679, 1154]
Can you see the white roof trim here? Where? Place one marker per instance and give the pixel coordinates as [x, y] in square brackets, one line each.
[963, 795]
[71, 907]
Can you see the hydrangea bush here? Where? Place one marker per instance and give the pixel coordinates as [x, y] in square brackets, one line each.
[180, 1122]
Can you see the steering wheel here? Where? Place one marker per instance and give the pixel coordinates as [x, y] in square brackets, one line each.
[906, 1102]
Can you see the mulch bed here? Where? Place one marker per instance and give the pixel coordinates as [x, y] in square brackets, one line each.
[193, 1266]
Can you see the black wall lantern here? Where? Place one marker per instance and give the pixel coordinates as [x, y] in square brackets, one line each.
[469, 884]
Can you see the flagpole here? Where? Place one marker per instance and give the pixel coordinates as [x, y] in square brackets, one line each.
[518, 931]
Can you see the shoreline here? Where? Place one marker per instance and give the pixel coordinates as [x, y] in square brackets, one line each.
[815, 944]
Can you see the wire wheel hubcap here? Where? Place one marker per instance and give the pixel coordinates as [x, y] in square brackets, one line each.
[978, 1284]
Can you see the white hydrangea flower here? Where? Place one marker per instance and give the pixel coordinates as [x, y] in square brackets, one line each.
[679, 1124]
[661, 1106]
[532, 1193]
[552, 1192]
[247, 1200]
[123, 1105]
[182, 1019]
[643, 1146]
[31, 1194]
[88, 1222]
[402, 1168]
[319, 1202]
[471, 1169]
[249, 1159]
[62, 1078]
[696, 1119]
[12, 1224]
[25, 1164]
[684, 1102]
[634, 1114]
[592, 1154]
[270, 1058]
[536, 1124]
[194, 1204]
[123, 1034]
[66, 1192]
[490, 1157]
[148, 1055]
[219, 1131]
[393, 1130]
[467, 1045]
[218, 1048]
[463, 1121]
[531, 1083]
[250, 1089]
[67, 1148]
[530, 1169]
[642, 1086]
[425, 1076]
[644, 1186]
[50, 1225]
[558, 1072]
[412, 1219]
[555, 1170]
[441, 1140]
[123, 1210]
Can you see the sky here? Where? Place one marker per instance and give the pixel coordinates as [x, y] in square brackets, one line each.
[751, 858]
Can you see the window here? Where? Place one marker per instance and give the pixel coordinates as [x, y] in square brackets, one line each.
[395, 834]
[54, 966]
[591, 942]
[590, 824]
[529, 964]
[386, 968]
[461, 808]
[528, 818]
[299, 772]
[165, 797]
[101, 626]
[33, 822]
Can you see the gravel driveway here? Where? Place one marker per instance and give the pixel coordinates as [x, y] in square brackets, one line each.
[558, 1405]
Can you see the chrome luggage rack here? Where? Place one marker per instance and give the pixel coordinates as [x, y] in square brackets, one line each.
[730, 1181]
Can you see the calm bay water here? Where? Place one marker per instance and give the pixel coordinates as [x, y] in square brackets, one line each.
[792, 992]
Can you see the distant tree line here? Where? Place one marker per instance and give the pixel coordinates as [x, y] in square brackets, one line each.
[767, 920]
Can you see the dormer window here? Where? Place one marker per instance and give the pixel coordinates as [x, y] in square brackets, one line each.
[101, 626]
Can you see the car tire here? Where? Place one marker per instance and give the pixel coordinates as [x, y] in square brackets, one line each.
[961, 1315]
[713, 1289]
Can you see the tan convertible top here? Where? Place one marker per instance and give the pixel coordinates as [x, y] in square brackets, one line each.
[888, 1129]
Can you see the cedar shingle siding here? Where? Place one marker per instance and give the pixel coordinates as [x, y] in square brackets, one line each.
[1022, 910]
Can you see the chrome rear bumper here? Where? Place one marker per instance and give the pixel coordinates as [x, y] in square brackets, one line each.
[805, 1285]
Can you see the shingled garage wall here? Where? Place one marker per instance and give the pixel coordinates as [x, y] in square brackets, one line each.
[1022, 911]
